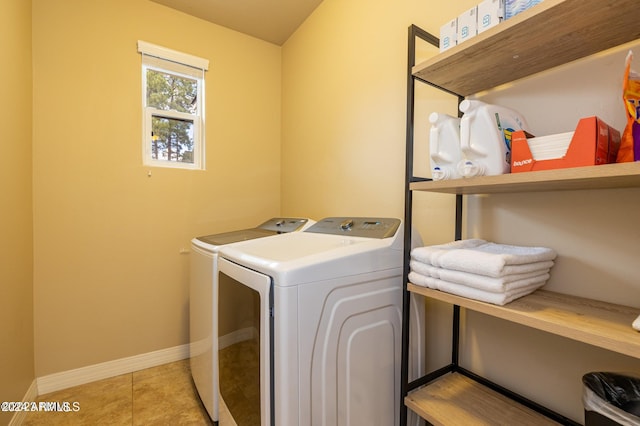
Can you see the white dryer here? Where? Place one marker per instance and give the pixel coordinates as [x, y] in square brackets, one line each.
[315, 332]
[203, 301]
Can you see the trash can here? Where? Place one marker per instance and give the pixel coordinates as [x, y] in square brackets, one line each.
[611, 399]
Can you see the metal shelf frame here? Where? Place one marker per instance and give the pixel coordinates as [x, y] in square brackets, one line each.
[416, 33]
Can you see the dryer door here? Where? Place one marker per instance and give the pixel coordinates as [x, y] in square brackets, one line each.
[245, 345]
[202, 325]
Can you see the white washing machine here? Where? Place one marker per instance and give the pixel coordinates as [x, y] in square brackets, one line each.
[314, 336]
[203, 291]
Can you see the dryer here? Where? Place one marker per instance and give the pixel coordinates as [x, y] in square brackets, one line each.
[315, 335]
[203, 301]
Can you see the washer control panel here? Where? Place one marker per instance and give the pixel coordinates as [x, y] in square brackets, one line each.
[369, 227]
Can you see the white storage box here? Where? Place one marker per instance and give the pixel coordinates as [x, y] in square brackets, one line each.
[490, 14]
[448, 35]
[468, 25]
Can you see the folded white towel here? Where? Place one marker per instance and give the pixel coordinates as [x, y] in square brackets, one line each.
[483, 258]
[485, 296]
[423, 280]
[424, 254]
[482, 282]
[474, 293]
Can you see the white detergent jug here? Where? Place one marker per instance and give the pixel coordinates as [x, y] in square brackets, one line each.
[485, 138]
[444, 146]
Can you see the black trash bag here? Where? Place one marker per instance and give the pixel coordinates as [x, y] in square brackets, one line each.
[613, 395]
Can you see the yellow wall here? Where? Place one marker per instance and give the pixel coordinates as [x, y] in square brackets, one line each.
[344, 97]
[16, 269]
[344, 103]
[110, 279]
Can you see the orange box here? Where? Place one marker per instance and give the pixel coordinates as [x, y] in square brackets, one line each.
[593, 142]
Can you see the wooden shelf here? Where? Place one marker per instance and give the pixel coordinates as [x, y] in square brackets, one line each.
[549, 34]
[620, 175]
[454, 399]
[597, 323]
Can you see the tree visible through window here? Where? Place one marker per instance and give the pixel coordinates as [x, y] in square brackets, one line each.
[171, 138]
[173, 113]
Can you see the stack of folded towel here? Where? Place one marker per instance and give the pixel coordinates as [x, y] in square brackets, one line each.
[481, 270]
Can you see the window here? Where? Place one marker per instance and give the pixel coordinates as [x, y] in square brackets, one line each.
[173, 107]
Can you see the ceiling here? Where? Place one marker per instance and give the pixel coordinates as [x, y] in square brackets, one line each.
[270, 20]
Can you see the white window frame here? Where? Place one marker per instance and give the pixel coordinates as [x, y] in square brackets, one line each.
[177, 63]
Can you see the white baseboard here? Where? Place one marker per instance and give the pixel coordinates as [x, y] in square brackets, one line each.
[30, 396]
[105, 370]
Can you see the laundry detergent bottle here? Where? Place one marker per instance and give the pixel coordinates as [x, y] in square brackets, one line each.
[485, 138]
[444, 146]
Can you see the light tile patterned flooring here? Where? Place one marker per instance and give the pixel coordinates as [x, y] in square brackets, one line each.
[163, 395]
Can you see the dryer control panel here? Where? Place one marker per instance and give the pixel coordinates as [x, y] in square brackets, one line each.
[368, 227]
[276, 225]
[282, 225]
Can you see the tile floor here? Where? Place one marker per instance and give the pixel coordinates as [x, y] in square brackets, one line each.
[163, 395]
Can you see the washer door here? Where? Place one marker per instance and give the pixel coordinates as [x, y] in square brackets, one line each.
[245, 345]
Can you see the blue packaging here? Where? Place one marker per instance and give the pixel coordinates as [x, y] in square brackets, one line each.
[513, 7]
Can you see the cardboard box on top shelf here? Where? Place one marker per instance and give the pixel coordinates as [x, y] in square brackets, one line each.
[448, 35]
[490, 14]
[594, 142]
[468, 25]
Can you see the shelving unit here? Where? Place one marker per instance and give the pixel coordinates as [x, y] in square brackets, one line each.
[458, 400]
[552, 33]
[604, 176]
[548, 35]
[597, 323]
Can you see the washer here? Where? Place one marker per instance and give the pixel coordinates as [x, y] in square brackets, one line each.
[314, 333]
[203, 290]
